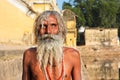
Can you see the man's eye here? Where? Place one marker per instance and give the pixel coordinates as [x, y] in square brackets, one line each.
[53, 25]
[42, 26]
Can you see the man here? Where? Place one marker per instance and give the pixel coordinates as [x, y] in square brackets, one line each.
[50, 60]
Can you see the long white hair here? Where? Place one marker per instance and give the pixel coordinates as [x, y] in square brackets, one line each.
[49, 50]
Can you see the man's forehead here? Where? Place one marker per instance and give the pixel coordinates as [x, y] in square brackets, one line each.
[50, 18]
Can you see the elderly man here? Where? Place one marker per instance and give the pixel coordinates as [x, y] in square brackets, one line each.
[50, 60]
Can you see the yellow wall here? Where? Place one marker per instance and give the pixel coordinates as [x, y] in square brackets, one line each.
[71, 24]
[17, 27]
[42, 7]
[13, 23]
[71, 39]
[71, 33]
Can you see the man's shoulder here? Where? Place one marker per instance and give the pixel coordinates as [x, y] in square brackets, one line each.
[71, 50]
[72, 55]
[30, 51]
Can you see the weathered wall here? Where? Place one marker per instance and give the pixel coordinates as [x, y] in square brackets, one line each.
[101, 62]
[11, 65]
[101, 36]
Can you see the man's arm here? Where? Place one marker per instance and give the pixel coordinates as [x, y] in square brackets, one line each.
[76, 72]
[26, 72]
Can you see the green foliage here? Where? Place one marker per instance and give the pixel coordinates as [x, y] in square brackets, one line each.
[118, 21]
[66, 5]
[108, 12]
[94, 13]
[79, 14]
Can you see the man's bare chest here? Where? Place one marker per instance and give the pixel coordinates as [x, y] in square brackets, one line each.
[58, 72]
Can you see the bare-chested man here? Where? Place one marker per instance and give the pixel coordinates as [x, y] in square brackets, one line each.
[50, 60]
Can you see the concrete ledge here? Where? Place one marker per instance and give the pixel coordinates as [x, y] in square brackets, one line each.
[4, 53]
[11, 64]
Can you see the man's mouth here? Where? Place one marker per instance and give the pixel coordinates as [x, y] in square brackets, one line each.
[48, 38]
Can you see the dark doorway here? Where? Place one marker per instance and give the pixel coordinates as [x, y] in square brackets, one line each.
[81, 38]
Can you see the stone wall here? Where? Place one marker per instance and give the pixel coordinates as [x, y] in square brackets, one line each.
[101, 62]
[11, 65]
[101, 36]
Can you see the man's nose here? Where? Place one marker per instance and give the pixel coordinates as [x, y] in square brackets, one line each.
[48, 30]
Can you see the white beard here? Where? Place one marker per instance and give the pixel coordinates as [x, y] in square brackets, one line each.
[49, 50]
